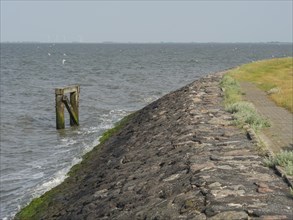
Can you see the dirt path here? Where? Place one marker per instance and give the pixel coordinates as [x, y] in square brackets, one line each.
[280, 135]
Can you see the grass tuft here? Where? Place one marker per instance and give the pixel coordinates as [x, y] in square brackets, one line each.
[245, 113]
[232, 92]
[283, 159]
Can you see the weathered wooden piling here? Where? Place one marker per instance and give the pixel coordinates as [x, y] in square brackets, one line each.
[71, 105]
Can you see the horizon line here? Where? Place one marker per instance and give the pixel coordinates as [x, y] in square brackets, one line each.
[155, 42]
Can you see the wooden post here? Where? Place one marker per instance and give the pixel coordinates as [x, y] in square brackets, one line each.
[72, 105]
[60, 121]
[74, 102]
[73, 117]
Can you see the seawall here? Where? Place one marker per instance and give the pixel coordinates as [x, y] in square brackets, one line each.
[178, 158]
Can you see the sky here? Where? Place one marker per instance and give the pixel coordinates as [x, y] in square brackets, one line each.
[146, 21]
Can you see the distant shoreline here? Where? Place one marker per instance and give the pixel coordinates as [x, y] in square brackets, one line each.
[36, 42]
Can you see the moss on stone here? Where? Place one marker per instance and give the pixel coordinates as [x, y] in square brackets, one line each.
[37, 206]
[115, 129]
[30, 211]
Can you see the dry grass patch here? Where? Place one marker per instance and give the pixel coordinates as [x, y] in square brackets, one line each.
[273, 76]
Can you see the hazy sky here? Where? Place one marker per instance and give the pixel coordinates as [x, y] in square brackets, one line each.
[146, 21]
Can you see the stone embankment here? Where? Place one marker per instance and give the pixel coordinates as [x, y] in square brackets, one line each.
[178, 158]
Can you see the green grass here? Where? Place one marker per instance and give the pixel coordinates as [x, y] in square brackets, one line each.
[243, 112]
[283, 159]
[270, 74]
[38, 206]
[232, 91]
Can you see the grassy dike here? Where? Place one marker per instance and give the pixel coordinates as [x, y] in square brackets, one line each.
[274, 76]
[244, 114]
[39, 205]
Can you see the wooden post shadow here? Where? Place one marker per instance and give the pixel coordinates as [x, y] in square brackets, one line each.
[71, 105]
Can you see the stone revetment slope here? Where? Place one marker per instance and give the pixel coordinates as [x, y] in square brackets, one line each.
[178, 158]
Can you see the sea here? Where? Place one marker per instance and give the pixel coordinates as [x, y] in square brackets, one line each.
[115, 80]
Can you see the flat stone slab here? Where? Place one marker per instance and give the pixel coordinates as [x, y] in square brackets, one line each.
[177, 158]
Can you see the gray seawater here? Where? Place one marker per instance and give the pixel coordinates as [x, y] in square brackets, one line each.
[115, 80]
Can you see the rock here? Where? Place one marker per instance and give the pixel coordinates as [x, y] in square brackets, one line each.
[238, 187]
[200, 94]
[261, 184]
[197, 181]
[231, 215]
[218, 158]
[172, 177]
[196, 100]
[197, 167]
[215, 185]
[273, 217]
[274, 90]
[263, 188]
[225, 167]
[235, 205]
[256, 205]
[193, 112]
[195, 204]
[219, 121]
[101, 193]
[218, 194]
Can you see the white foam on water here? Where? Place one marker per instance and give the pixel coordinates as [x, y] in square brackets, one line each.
[68, 141]
[39, 190]
[89, 148]
[150, 99]
[61, 175]
[92, 130]
[57, 178]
